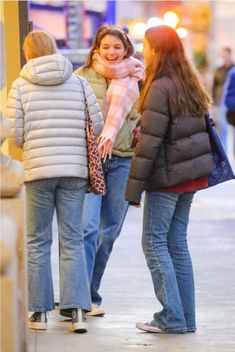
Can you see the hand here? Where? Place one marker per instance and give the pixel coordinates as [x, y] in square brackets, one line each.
[136, 136]
[105, 147]
[136, 133]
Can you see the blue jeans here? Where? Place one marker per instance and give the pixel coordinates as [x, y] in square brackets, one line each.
[66, 195]
[164, 243]
[103, 220]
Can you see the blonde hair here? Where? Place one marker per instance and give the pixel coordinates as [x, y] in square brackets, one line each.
[38, 43]
[170, 61]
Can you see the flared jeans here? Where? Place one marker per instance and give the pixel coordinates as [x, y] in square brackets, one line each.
[66, 195]
[165, 246]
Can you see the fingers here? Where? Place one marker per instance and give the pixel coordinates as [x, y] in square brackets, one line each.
[105, 147]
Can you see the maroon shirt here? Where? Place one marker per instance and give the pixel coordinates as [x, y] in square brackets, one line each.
[189, 186]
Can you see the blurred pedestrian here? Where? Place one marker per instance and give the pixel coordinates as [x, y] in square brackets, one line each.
[113, 74]
[47, 107]
[217, 92]
[172, 161]
[229, 100]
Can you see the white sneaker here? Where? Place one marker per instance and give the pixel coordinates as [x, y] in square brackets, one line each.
[38, 321]
[149, 327]
[152, 327]
[97, 311]
[79, 323]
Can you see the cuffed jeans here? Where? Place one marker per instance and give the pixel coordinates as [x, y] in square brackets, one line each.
[66, 195]
[103, 220]
[164, 243]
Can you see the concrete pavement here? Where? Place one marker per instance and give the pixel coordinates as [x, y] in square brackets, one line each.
[128, 293]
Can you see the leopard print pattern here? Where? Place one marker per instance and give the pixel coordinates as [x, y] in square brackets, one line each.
[96, 182]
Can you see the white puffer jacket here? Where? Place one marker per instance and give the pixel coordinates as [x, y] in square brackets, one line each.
[47, 107]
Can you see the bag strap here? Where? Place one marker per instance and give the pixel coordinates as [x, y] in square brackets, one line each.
[209, 119]
[84, 94]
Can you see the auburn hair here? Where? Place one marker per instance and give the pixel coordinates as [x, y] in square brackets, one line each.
[38, 43]
[104, 30]
[170, 61]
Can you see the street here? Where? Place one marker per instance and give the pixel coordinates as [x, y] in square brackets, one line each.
[128, 294]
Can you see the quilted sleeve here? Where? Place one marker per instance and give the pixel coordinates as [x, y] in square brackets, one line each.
[15, 114]
[93, 108]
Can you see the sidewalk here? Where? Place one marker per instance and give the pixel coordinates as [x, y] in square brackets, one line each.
[128, 293]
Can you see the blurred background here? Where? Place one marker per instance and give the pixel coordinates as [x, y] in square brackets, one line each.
[204, 26]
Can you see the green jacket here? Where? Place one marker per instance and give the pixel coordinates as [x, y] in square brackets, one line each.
[122, 145]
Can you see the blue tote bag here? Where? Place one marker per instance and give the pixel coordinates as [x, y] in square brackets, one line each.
[221, 169]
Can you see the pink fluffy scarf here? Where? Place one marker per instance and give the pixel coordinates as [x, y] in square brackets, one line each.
[122, 93]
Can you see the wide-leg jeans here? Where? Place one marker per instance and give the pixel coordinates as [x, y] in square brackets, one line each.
[164, 243]
[66, 195]
[103, 220]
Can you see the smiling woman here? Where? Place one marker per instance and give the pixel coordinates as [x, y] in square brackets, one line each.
[101, 36]
[113, 74]
[112, 49]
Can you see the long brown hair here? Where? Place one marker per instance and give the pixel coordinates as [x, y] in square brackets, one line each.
[38, 43]
[104, 30]
[170, 61]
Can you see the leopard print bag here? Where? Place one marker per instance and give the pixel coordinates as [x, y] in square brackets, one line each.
[96, 182]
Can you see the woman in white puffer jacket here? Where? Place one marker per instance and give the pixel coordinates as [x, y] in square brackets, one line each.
[47, 107]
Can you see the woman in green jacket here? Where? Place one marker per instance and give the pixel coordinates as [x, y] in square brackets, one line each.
[113, 74]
